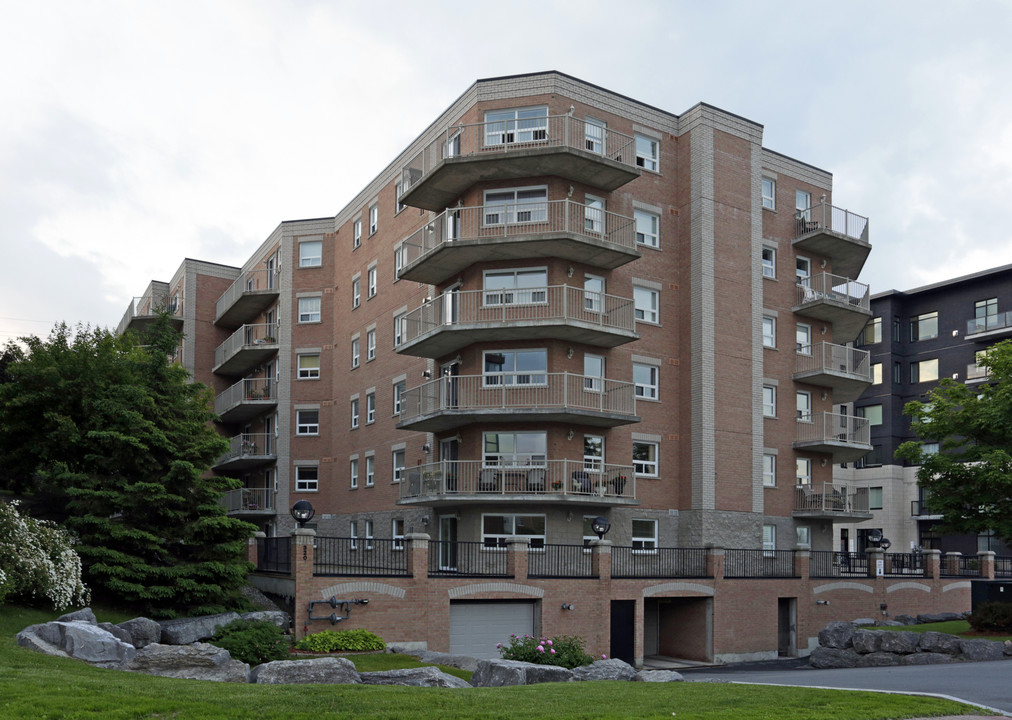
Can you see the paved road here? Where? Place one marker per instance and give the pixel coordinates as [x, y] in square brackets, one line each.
[983, 683]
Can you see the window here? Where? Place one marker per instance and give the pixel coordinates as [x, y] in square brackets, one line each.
[924, 371]
[399, 389]
[769, 538]
[648, 153]
[309, 310]
[897, 373]
[593, 452]
[803, 471]
[370, 408]
[645, 458]
[924, 327]
[593, 293]
[356, 292]
[370, 470]
[307, 422]
[495, 529]
[357, 232]
[803, 338]
[648, 227]
[311, 253]
[516, 205]
[397, 460]
[769, 401]
[875, 498]
[646, 302]
[398, 190]
[804, 536]
[872, 332]
[524, 449]
[644, 536]
[769, 331]
[593, 373]
[309, 367]
[354, 413]
[373, 219]
[645, 379]
[769, 262]
[593, 214]
[593, 132]
[871, 459]
[873, 413]
[353, 534]
[400, 260]
[803, 271]
[397, 533]
[929, 448]
[985, 315]
[372, 281]
[307, 478]
[353, 473]
[876, 373]
[769, 470]
[370, 345]
[368, 535]
[516, 125]
[516, 287]
[515, 367]
[355, 352]
[400, 324]
[769, 193]
[803, 205]
[804, 406]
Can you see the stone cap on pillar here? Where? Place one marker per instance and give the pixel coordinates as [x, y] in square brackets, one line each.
[303, 536]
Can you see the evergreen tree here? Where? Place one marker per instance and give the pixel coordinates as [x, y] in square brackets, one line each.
[114, 441]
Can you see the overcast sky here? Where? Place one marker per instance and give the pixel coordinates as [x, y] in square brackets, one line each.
[134, 134]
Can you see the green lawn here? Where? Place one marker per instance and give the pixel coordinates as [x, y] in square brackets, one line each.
[34, 687]
[949, 627]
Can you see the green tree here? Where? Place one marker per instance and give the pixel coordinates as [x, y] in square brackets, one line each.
[113, 440]
[969, 480]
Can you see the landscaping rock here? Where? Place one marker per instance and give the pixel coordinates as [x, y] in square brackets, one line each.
[82, 615]
[320, 671]
[659, 676]
[878, 659]
[864, 622]
[901, 643]
[32, 637]
[867, 641]
[508, 673]
[277, 617]
[938, 617]
[463, 662]
[612, 669]
[117, 632]
[408, 648]
[183, 631]
[1008, 647]
[198, 661]
[143, 631]
[414, 677]
[837, 634]
[78, 639]
[936, 642]
[926, 658]
[832, 657]
[979, 650]
[906, 619]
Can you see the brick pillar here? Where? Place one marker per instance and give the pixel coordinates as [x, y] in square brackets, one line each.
[803, 564]
[986, 560]
[517, 557]
[874, 556]
[600, 561]
[932, 563]
[952, 563]
[417, 548]
[715, 562]
[251, 547]
[599, 603]
[303, 556]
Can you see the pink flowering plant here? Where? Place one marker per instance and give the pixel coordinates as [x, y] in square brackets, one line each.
[564, 650]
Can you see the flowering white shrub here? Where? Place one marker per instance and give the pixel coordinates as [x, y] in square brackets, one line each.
[38, 561]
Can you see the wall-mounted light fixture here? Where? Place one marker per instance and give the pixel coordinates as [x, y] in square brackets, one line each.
[426, 448]
[426, 374]
[567, 606]
[569, 435]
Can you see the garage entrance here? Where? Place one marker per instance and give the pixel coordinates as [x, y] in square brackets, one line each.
[678, 628]
[477, 626]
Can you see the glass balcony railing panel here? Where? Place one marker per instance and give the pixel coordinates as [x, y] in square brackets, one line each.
[989, 323]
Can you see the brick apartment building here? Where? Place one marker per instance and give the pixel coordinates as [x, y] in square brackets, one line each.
[556, 304]
[916, 337]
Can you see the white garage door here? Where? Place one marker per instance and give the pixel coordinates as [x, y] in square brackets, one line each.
[476, 627]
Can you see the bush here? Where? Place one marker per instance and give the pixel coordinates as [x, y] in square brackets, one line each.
[327, 641]
[564, 650]
[992, 617]
[253, 641]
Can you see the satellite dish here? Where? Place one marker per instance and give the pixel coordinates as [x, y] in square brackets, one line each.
[875, 536]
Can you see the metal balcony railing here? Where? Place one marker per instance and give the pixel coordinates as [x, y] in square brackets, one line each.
[264, 334]
[148, 306]
[510, 136]
[246, 390]
[251, 445]
[558, 303]
[450, 558]
[360, 557]
[829, 563]
[999, 321]
[977, 372]
[829, 217]
[249, 281]
[639, 562]
[826, 287]
[516, 391]
[832, 358]
[248, 500]
[827, 427]
[830, 498]
[536, 476]
[560, 561]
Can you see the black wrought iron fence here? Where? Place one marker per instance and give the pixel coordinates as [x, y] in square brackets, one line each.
[759, 564]
[466, 559]
[360, 556]
[630, 562]
[1002, 567]
[961, 566]
[560, 561]
[903, 563]
[274, 555]
[828, 563]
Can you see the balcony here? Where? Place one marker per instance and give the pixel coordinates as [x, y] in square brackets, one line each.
[252, 292]
[919, 511]
[846, 437]
[456, 319]
[458, 238]
[837, 300]
[463, 155]
[142, 312]
[990, 328]
[550, 482]
[249, 502]
[845, 370]
[246, 451]
[835, 233]
[831, 501]
[977, 373]
[457, 400]
[245, 349]
[247, 399]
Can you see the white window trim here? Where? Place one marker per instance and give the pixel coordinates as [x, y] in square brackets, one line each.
[769, 338]
[769, 270]
[305, 428]
[770, 478]
[306, 318]
[315, 487]
[308, 370]
[647, 463]
[353, 469]
[305, 242]
[647, 545]
[499, 546]
[370, 469]
[655, 244]
[651, 393]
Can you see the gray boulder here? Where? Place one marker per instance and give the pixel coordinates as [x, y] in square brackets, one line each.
[901, 643]
[926, 658]
[82, 615]
[198, 661]
[612, 669]
[837, 634]
[936, 642]
[414, 677]
[878, 659]
[463, 662]
[867, 641]
[319, 671]
[864, 622]
[143, 631]
[277, 617]
[508, 673]
[407, 648]
[183, 631]
[35, 637]
[1008, 647]
[117, 632]
[659, 676]
[832, 657]
[938, 617]
[79, 640]
[977, 650]
[905, 619]
[889, 623]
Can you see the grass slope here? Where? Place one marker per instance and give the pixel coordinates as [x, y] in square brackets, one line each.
[36, 687]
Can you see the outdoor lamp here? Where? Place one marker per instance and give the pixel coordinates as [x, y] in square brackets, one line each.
[600, 526]
[303, 512]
